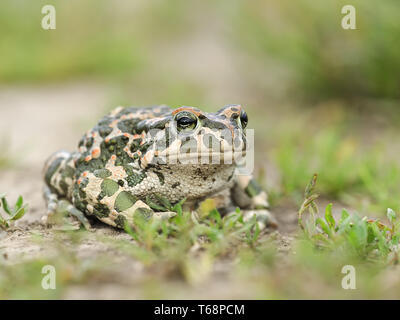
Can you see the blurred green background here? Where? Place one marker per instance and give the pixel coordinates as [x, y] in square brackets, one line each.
[300, 45]
[321, 98]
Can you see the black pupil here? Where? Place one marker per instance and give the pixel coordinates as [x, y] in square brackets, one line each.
[185, 121]
[243, 118]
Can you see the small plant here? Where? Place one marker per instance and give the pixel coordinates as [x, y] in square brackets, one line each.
[14, 214]
[366, 238]
[187, 244]
[164, 204]
[187, 229]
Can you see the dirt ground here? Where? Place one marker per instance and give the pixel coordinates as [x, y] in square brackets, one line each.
[49, 119]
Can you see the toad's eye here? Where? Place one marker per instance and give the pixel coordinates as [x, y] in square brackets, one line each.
[186, 121]
[244, 119]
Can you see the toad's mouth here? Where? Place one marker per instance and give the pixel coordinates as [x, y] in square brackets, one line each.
[203, 157]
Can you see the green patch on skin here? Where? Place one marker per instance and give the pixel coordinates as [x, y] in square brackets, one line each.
[81, 192]
[64, 186]
[120, 221]
[152, 203]
[253, 189]
[128, 126]
[144, 213]
[91, 166]
[79, 196]
[68, 172]
[133, 177]
[104, 131]
[102, 173]
[115, 146]
[82, 206]
[143, 148]
[135, 144]
[89, 142]
[101, 210]
[109, 187]
[124, 201]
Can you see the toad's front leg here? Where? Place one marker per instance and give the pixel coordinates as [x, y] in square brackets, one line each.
[253, 200]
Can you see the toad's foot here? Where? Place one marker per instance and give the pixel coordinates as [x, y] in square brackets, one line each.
[62, 211]
[264, 218]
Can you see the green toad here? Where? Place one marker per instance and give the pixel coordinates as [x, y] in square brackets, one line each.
[136, 158]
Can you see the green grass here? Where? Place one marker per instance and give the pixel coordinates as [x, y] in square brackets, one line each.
[184, 248]
[322, 59]
[362, 176]
[171, 242]
[11, 213]
[76, 48]
[351, 235]
[181, 254]
[92, 39]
